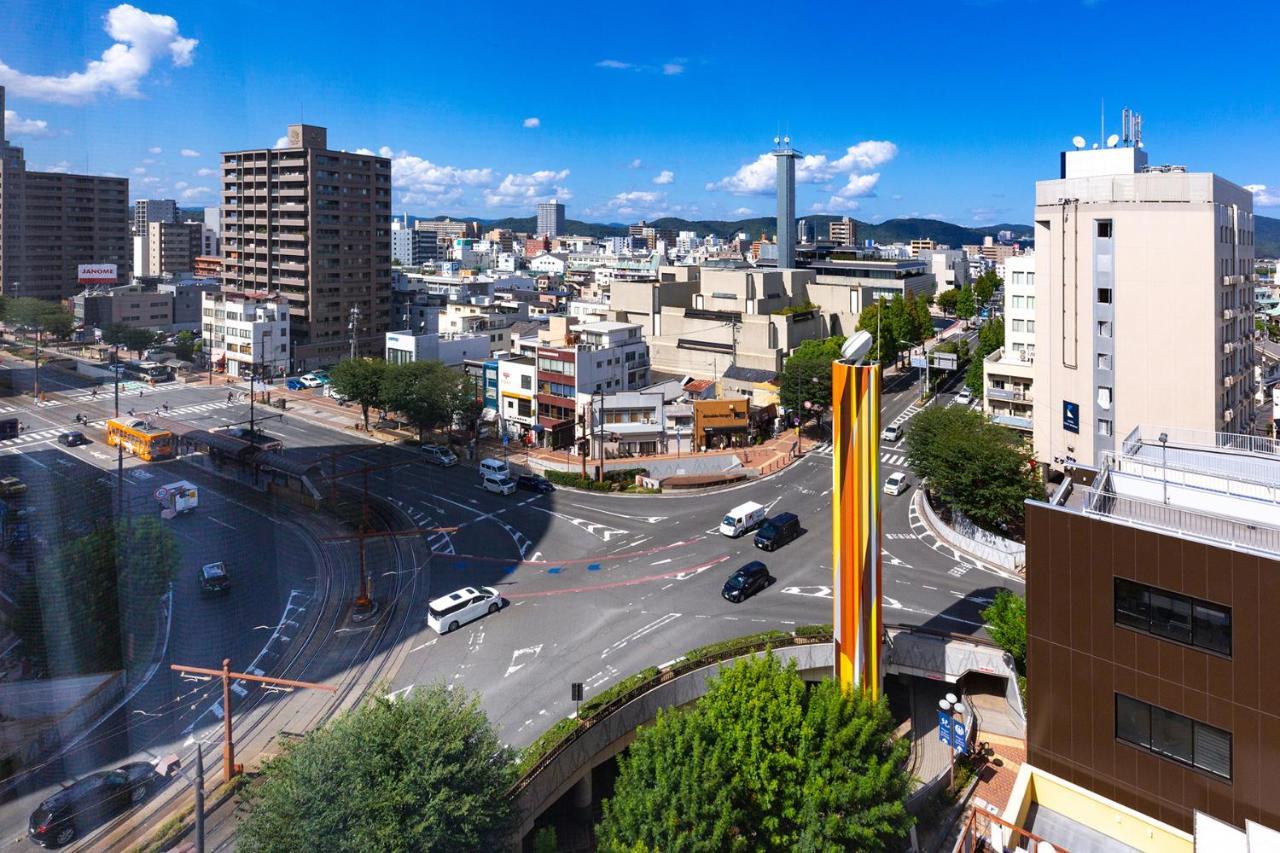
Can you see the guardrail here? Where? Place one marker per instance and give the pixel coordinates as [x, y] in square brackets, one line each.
[1005, 553]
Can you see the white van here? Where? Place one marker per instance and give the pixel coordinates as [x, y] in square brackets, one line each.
[494, 468]
[498, 485]
[450, 612]
[742, 518]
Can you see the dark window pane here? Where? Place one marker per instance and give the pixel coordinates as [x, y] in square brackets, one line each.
[1133, 721]
[1171, 616]
[1171, 734]
[1213, 628]
[1131, 605]
[1213, 750]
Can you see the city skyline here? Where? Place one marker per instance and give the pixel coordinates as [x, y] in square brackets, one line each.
[156, 93]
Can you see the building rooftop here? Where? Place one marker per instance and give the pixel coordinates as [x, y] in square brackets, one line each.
[604, 327]
[750, 374]
[1221, 488]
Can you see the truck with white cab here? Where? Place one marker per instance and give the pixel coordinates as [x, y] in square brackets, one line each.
[743, 518]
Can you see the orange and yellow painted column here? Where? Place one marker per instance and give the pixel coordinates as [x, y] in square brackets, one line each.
[855, 507]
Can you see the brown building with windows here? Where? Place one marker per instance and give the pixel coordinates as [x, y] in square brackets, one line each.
[720, 423]
[1152, 633]
[314, 226]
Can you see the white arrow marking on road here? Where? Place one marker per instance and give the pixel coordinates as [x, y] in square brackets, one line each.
[647, 519]
[519, 653]
[814, 591]
[652, 626]
[424, 645]
[396, 694]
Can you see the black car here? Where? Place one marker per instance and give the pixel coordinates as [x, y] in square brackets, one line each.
[88, 803]
[746, 582]
[777, 531]
[534, 483]
[214, 578]
[73, 438]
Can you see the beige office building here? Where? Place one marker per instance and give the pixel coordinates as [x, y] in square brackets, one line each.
[314, 226]
[167, 247]
[843, 231]
[1144, 304]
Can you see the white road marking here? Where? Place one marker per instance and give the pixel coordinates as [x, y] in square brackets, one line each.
[652, 626]
[519, 653]
[424, 645]
[661, 562]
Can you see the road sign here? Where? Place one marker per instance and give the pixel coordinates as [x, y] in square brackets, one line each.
[944, 727]
[958, 738]
[575, 691]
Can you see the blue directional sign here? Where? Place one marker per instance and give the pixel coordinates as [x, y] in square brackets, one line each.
[506, 439]
[944, 727]
[958, 739]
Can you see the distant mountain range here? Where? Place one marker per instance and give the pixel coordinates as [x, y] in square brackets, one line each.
[1266, 240]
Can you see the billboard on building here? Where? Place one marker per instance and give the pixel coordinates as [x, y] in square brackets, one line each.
[97, 274]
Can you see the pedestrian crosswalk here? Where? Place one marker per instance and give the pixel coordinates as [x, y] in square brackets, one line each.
[906, 415]
[34, 437]
[41, 435]
[898, 459]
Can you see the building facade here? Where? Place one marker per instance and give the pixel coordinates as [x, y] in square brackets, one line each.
[166, 248]
[550, 219]
[148, 210]
[1130, 260]
[843, 231]
[1009, 372]
[312, 225]
[247, 334]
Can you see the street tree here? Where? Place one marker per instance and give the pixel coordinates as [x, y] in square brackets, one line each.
[985, 286]
[423, 772]
[948, 300]
[923, 320]
[990, 339]
[1006, 619]
[806, 374]
[973, 467]
[41, 315]
[184, 346]
[419, 392]
[130, 337]
[965, 304]
[360, 379]
[763, 762]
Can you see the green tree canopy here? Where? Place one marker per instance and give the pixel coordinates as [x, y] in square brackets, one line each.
[185, 345]
[948, 300]
[966, 306]
[419, 391]
[39, 314]
[425, 772]
[985, 286]
[990, 339]
[763, 763]
[1006, 619]
[130, 337]
[973, 466]
[806, 374]
[360, 379]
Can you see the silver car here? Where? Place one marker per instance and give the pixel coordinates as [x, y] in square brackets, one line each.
[438, 455]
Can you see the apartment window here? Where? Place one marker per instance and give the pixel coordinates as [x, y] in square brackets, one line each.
[1104, 295]
[1104, 361]
[1017, 301]
[1173, 736]
[1019, 325]
[1104, 427]
[1031, 280]
[1104, 328]
[1104, 396]
[526, 382]
[1180, 618]
[1104, 229]
[1031, 326]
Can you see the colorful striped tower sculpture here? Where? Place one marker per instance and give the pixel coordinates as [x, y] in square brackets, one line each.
[855, 398]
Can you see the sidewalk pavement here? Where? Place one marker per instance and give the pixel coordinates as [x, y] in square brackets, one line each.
[770, 456]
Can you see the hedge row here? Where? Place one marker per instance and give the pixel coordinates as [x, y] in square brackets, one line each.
[577, 481]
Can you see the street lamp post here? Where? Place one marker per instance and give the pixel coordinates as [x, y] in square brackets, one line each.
[1164, 466]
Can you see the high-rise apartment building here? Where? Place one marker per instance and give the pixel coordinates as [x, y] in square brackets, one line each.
[1008, 373]
[786, 157]
[51, 222]
[1144, 303]
[843, 231]
[153, 210]
[550, 219]
[314, 226]
[167, 247]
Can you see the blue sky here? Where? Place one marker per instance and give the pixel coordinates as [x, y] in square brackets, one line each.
[943, 109]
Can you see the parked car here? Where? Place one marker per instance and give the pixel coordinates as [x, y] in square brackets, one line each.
[74, 438]
[88, 803]
[322, 375]
[777, 531]
[494, 468]
[498, 485]
[214, 578]
[256, 437]
[293, 383]
[896, 484]
[11, 487]
[965, 397]
[309, 380]
[439, 455]
[891, 434]
[534, 483]
[746, 582]
[450, 612]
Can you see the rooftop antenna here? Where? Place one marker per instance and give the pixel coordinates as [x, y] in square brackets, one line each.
[1102, 120]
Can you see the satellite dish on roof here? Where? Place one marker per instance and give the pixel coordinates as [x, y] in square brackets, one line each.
[786, 140]
[1112, 140]
[777, 140]
[1077, 141]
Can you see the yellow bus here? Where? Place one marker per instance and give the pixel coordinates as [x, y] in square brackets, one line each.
[148, 443]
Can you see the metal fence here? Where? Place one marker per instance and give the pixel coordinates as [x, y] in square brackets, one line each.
[1215, 528]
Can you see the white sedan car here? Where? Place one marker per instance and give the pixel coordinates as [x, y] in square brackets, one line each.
[450, 612]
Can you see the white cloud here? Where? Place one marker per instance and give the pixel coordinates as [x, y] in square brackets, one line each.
[666, 176]
[139, 170]
[141, 39]
[205, 172]
[759, 177]
[533, 121]
[189, 152]
[16, 125]
[614, 63]
[743, 211]
[672, 68]
[194, 192]
[148, 162]
[154, 149]
[181, 185]
[525, 189]
[635, 164]
[282, 142]
[150, 179]
[62, 166]
[1262, 196]
[423, 182]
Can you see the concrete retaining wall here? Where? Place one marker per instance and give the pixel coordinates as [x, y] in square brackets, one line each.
[987, 547]
[611, 734]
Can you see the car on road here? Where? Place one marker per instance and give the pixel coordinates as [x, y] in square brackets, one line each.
[89, 802]
[293, 383]
[322, 375]
[11, 487]
[498, 485]
[256, 437]
[494, 468]
[534, 483]
[310, 380]
[896, 484]
[439, 455]
[74, 438]
[965, 397]
[746, 582]
[777, 531]
[891, 433]
[450, 612]
[214, 578]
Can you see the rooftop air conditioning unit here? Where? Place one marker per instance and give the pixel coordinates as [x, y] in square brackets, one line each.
[1228, 414]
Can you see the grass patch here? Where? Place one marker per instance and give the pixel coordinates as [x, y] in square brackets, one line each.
[725, 648]
[167, 832]
[814, 631]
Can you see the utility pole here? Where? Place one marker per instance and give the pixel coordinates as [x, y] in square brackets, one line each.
[199, 797]
[115, 370]
[354, 326]
[230, 768]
